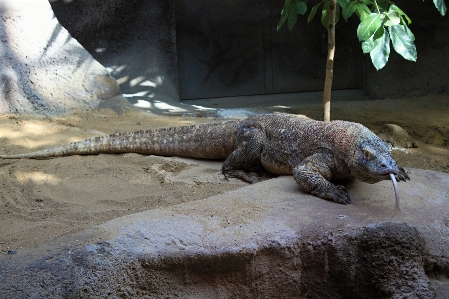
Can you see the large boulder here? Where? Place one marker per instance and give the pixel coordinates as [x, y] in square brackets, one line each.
[266, 240]
[43, 69]
[135, 40]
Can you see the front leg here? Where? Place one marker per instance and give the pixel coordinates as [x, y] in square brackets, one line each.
[313, 175]
[250, 142]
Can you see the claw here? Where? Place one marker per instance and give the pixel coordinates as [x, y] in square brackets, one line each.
[402, 175]
[249, 177]
[341, 196]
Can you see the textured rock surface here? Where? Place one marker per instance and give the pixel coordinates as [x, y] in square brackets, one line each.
[397, 136]
[135, 40]
[43, 69]
[279, 244]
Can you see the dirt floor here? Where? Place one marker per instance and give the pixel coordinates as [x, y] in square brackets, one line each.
[44, 199]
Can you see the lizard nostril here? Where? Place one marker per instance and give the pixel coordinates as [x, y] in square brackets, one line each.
[383, 166]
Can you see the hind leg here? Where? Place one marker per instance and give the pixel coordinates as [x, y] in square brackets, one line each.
[249, 148]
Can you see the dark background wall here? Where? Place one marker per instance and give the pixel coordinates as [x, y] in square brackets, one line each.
[430, 73]
[229, 48]
[209, 48]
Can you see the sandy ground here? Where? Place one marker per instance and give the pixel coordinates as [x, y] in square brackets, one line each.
[44, 199]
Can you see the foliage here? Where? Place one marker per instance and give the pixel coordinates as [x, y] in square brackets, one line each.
[381, 22]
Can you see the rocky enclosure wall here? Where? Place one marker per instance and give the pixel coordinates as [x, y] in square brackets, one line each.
[42, 68]
[135, 40]
[266, 240]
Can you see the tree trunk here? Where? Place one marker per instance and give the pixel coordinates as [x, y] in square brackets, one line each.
[330, 61]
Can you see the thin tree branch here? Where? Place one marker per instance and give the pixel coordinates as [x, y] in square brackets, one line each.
[330, 61]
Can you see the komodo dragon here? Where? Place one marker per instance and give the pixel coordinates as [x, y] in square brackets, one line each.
[315, 152]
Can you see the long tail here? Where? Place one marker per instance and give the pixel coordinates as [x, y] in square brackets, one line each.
[209, 141]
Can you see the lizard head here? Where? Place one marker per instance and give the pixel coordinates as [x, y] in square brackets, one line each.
[372, 161]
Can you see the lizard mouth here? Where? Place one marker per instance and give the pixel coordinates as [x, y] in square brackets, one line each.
[386, 175]
[373, 177]
[370, 180]
[382, 172]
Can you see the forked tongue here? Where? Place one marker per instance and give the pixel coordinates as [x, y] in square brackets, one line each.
[396, 191]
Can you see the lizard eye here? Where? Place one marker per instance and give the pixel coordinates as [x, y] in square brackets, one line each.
[368, 155]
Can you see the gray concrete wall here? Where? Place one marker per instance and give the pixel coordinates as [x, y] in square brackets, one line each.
[184, 49]
[232, 48]
[220, 48]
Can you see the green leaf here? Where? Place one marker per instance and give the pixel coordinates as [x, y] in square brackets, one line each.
[292, 18]
[300, 6]
[362, 11]
[371, 43]
[381, 51]
[368, 45]
[402, 42]
[401, 13]
[367, 2]
[369, 26]
[441, 6]
[362, 15]
[383, 5]
[365, 8]
[343, 3]
[409, 33]
[284, 15]
[379, 33]
[392, 18]
[349, 9]
[325, 14]
[337, 13]
[290, 12]
[282, 21]
[313, 11]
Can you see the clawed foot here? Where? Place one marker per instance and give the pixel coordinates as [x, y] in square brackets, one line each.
[250, 177]
[402, 175]
[338, 194]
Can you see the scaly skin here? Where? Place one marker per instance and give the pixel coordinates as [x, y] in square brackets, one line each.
[314, 152]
